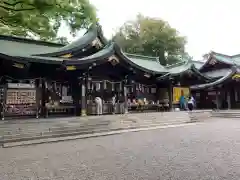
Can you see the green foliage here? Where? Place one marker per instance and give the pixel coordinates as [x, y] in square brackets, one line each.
[42, 18]
[151, 37]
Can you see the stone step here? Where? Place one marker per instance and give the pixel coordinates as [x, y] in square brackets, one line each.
[226, 114]
[73, 129]
[47, 127]
[54, 128]
[26, 131]
[89, 126]
[72, 132]
[18, 137]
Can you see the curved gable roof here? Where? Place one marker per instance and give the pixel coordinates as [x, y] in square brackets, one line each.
[80, 44]
[227, 76]
[15, 46]
[144, 63]
[213, 56]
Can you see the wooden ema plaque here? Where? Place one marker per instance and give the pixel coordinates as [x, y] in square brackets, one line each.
[20, 96]
[21, 102]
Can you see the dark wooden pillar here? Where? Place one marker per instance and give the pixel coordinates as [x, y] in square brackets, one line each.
[2, 101]
[218, 99]
[203, 101]
[44, 97]
[228, 98]
[83, 97]
[38, 86]
[232, 97]
[125, 96]
[170, 94]
[76, 94]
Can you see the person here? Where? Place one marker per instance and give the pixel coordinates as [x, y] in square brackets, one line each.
[214, 106]
[98, 102]
[140, 105]
[182, 102]
[190, 103]
[114, 104]
[121, 101]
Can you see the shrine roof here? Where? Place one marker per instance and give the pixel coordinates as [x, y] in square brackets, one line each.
[16, 46]
[221, 80]
[218, 73]
[222, 58]
[179, 68]
[145, 63]
[150, 63]
[182, 67]
[93, 33]
[42, 59]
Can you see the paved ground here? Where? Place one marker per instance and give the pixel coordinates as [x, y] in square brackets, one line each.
[210, 150]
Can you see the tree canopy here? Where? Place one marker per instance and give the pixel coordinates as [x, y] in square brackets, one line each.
[151, 37]
[43, 18]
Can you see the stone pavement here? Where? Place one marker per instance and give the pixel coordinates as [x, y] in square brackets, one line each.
[205, 151]
[230, 113]
[13, 131]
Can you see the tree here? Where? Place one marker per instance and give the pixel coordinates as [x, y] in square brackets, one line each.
[151, 37]
[42, 18]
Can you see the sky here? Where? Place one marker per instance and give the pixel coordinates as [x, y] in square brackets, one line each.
[208, 25]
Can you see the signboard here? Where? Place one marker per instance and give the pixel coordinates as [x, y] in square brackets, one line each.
[177, 92]
[20, 85]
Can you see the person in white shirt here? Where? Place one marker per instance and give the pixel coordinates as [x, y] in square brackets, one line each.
[98, 102]
[191, 103]
[114, 104]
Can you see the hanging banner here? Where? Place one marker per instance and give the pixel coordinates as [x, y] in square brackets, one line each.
[177, 92]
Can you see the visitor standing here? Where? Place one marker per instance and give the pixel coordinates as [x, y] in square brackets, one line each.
[182, 102]
[98, 102]
[121, 101]
[114, 104]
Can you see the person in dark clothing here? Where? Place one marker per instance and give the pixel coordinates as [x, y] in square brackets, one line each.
[214, 106]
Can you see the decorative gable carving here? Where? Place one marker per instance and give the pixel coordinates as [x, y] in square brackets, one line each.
[213, 62]
[113, 60]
